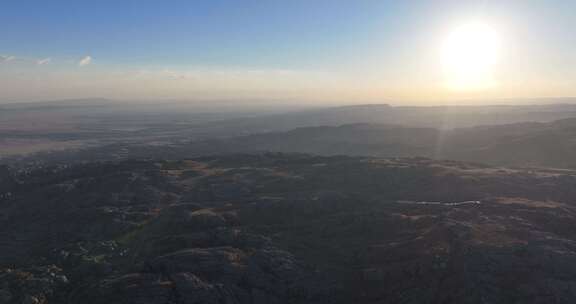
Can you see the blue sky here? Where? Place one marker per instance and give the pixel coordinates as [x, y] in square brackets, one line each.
[380, 49]
[247, 32]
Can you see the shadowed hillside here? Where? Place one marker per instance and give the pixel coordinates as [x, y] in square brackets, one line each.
[523, 144]
[275, 228]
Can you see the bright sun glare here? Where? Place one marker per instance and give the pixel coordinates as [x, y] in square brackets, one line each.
[470, 54]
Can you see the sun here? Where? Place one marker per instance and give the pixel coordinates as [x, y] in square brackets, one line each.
[470, 53]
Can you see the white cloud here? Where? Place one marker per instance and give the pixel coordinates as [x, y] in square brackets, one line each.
[6, 58]
[85, 61]
[44, 61]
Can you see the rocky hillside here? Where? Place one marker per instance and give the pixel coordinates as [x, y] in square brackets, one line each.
[278, 228]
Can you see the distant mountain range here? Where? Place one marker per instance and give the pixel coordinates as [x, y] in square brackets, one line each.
[442, 117]
[528, 135]
[56, 104]
[525, 144]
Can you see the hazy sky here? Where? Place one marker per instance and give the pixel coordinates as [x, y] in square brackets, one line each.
[317, 50]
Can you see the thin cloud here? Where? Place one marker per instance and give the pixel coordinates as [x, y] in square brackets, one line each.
[85, 61]
[6, 58]
[44, 61]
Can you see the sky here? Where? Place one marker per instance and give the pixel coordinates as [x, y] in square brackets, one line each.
[307, 50]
